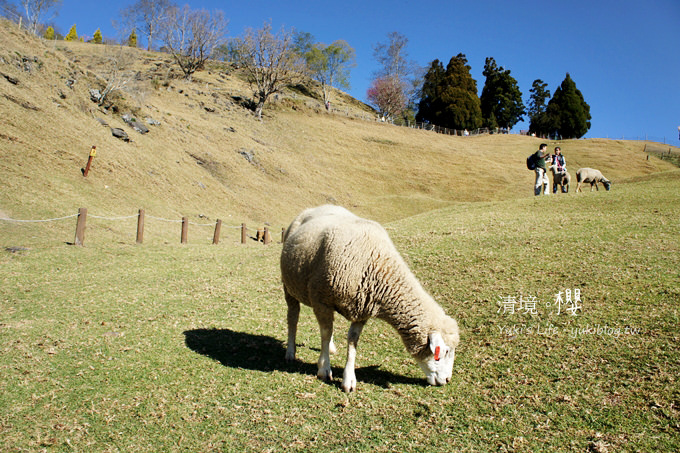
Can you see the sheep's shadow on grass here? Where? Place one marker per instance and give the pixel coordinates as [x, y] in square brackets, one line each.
[263, 353]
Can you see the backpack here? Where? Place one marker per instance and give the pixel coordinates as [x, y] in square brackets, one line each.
[531, 162]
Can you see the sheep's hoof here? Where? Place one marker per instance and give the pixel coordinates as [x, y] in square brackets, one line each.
[325, 375]
[290, 356]
[349, 387]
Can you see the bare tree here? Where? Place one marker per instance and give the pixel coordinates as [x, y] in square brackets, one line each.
[118, 74]
[9, 10]
[192, 36]
[392, 56]
[270, 61]
[147, 16]
[35, 9]
[397, 69]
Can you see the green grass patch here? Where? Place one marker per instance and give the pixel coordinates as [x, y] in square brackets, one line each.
[180, 348]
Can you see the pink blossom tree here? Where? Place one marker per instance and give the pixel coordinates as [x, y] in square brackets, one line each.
[387, 95]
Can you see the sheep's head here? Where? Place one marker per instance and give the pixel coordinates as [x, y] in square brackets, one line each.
[607, 184]
[438, 362]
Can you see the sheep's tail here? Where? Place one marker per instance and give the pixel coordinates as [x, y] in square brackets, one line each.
[292, 227]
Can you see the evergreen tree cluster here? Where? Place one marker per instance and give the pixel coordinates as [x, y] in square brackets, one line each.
[449, 99]
[449, 96]
[566, 115]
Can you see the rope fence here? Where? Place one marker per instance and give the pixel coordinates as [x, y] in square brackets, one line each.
[39, 221]
[262, 235]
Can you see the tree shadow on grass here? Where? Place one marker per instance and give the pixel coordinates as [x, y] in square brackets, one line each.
[263, 353]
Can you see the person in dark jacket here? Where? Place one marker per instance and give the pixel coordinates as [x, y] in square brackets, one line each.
[542, 181]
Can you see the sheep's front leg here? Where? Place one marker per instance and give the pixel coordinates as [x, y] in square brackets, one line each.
[293, 316]
[324, 315]
[349, 379]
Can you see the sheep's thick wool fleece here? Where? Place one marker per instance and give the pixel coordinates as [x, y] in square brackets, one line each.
[332, 257]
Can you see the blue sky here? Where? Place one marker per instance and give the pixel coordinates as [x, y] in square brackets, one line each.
[624, 55]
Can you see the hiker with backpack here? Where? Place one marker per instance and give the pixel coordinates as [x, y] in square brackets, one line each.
[537, 162]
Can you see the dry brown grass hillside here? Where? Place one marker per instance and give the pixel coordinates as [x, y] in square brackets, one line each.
[210, 158]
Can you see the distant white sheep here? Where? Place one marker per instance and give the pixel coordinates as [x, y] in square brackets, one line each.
[592, 176]
[334, 261]
[560, 178]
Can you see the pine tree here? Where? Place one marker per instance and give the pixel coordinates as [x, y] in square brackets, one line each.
[567, 112]
[540, 95]
[430, 102]
[462, 107]
[49, 33]
[72, 34]
[450, 97]
[501, 99]
[132, 39]
[97, 38]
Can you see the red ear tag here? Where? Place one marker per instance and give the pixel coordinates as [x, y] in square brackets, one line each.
[436, 353]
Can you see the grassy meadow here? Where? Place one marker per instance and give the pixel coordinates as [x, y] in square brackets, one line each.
[117, 347]
[163, 347]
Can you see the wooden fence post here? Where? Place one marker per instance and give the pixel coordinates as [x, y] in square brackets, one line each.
[243, 233]
[185, 229]
[140, 227]
[267, 238]
[80, 226]
[218, 229]
[283, 234]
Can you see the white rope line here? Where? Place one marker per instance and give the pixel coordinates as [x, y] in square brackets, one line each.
[119, 218]
[44, 220]
[113, 218]
[164, 220]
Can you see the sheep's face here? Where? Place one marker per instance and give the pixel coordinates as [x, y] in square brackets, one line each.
[607, 184]
[438, 366]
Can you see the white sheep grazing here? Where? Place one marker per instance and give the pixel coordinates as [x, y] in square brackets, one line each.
[560, 178]
[592, 176]
[334, 261]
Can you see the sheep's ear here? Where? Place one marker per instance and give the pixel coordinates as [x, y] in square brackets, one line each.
[437, 345]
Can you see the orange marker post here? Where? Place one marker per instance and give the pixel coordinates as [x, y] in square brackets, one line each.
[93, 152]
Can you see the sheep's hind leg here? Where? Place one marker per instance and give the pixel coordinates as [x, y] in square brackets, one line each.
[324, 315]
[293, 316]
[349, 379]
